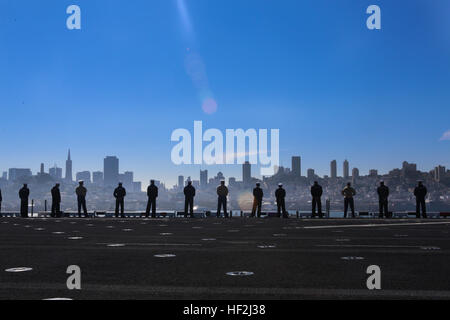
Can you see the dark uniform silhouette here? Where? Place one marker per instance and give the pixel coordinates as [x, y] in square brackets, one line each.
[189, 194]
[383, 195]
[316, 192]
[420, 192]
[56, 201]
[81, 192]
[1, 199]
[152, 193]
[280, 195]
[222, 192]
[258, 195]
[24, 193]
[348, 192]
[119, 194]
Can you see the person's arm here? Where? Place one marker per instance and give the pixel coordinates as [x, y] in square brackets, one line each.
[320, 192]
[156, 192]
[124, 192]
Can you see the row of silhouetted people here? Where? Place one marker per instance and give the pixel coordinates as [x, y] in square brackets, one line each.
[119, 194]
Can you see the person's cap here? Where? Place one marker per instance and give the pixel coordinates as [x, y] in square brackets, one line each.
[382, 181]
[258, 184]
[222, 180]
[81, 181]
[280, 184]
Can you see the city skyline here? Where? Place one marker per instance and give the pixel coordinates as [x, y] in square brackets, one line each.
[113, 175]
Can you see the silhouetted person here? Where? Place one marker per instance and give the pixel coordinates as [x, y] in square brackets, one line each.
[280, 195]
[119, 194]
[1, 199]
[258, 195]
[189, 194]
[348, 192]
[81, 192]
[152, 193]
[316, 192]
[383, 195]
[56, 201]
[24, 193]
[222, 193]
[421, 192]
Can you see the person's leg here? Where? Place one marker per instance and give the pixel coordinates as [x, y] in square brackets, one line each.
[314, 204]
[58, 209]
[352, 206]
[117, 208]
[218, 207]
[424, 209]
[191, 207]
[279, 208]
[147, 210]
[255, 204]
[417, 208]
[186, 203]
[386, 209]
[225, 207]
[79, 207]
[53, 214]
[259, 207]
[319, 206]
[380, 209]
[122, 207]
[154, 208]
[85, 208]
[345, 207]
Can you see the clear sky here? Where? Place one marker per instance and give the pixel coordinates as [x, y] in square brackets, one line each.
[139, 69]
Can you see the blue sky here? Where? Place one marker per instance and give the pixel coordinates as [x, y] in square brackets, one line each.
[123, 83]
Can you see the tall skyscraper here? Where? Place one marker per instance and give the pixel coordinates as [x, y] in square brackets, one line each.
[69, 168]
[333, 169]
[203, 178]
[297, 166]
[180, 182]
[110, 171]
[127, 180]
[246, 173]
[42, 169]
[346, 169]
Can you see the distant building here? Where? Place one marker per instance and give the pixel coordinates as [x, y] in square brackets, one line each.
[311, 174]
[180, 182]
[333, 169]
[373, 173]
[355, 173]
[137, 186]
[232, 181]
[69, 168]
[55, 172]
[84, 176]
[409, 169]
[203, 178]
[97, 178]
[110, 171]
[246, 173]
[439, 173]
[15, 174]
[297, 166]
[42, 171]
[127, 179]
[346, 169]
[5, 175]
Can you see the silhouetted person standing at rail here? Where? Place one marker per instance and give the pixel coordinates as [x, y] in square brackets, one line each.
[258, 195]
[383, 195]
[152, 193]
[280, 195]
[348, 192]
[189, 194]
[81, 192]
[1, 199]
[119, 194]
[222, 193]
[24, 193]
[316, 193]
[56, 201]
[421, 192]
